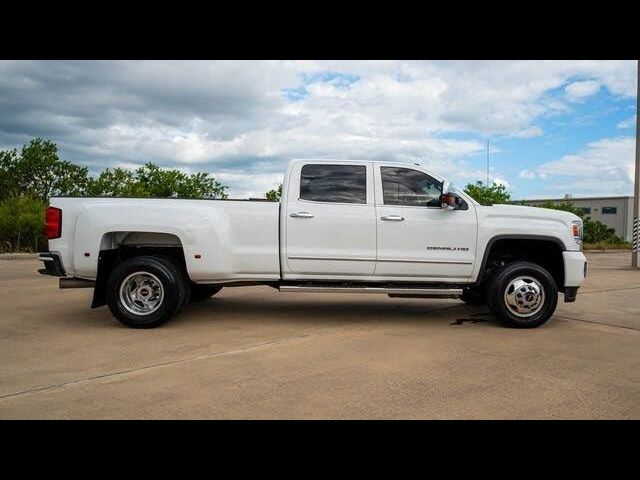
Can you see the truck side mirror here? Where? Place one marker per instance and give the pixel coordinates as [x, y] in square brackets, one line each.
[451, 201]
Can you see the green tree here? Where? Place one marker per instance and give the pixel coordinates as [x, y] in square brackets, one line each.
[488, 195]
[21, 222]
[153, 181]
[38, 172]
[118, 182]
[8, 161]
[275, 194]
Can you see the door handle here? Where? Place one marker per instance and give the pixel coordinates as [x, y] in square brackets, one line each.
[302, 215]
[393, 218]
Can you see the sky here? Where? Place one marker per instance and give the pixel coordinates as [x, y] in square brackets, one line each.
[553, 127]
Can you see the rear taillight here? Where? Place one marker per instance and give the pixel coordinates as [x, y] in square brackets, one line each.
[53, 223]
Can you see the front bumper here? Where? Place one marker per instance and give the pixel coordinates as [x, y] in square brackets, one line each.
[575, 271]
[52, 264]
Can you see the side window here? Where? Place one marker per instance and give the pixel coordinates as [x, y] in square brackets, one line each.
[405, 186]
[334, 183]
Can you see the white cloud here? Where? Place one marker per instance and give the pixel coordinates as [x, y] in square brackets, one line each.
[604, 167]
[578, 91]
[246, 185]
[501, 181]
[526, 174]
[229, 117]
[627, 123]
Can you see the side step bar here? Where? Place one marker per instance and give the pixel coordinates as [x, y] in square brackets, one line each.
[401, 292]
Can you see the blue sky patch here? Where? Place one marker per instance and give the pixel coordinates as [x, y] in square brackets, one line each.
[339, 80]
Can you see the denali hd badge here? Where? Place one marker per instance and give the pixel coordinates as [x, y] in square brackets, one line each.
[457, 249]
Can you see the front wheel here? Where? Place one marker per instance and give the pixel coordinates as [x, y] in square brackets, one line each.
[523, 295]
[145, 291]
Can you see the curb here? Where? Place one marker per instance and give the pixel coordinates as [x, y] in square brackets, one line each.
[607, 251]
[18, 256]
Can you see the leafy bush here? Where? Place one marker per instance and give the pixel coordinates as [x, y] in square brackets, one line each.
[22, 225]
[488, 195]
[275, 194]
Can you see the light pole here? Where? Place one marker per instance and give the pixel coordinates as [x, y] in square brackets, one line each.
[636, 188]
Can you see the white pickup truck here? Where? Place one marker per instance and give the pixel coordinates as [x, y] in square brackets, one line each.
[340, 226]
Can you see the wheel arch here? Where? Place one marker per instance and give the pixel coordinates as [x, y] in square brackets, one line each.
[544, 250]
[117, 246]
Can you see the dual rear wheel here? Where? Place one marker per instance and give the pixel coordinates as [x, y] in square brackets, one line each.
[145, 291]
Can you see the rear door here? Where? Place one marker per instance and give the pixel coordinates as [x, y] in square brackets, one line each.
[330, 220]
[416, 238]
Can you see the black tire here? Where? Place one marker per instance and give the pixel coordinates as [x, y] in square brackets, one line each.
[185, 278]
[174, 290]
[534, 279]
[488, 297]
[200, 293]
[473, 296]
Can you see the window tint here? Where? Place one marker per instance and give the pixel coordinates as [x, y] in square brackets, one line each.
[405, 186]
[585, 210]
[334, 183]
[606, 210]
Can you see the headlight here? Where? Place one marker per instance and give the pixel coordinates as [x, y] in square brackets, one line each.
[577, 230]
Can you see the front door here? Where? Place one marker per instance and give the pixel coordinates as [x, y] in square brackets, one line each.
[417, 239]
[331, 220]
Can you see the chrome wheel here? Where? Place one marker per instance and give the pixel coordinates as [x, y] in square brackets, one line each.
[524, 296]
[141, 293]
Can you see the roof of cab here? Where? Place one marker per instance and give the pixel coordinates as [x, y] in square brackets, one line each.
[342, 160]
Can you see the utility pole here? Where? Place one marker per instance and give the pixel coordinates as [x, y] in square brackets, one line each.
[487, 162]
[636, 189]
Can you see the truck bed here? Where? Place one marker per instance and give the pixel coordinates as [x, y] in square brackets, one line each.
[222, 240]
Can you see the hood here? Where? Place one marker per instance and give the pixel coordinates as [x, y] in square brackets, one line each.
[521, 211]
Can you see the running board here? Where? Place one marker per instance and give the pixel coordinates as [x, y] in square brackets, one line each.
[392, 292]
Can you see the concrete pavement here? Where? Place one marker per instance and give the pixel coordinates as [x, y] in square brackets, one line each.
[252, 352]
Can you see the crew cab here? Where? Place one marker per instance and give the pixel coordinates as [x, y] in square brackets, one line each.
[340, 226]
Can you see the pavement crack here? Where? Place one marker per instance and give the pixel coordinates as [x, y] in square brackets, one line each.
[597, 323]
[159, 365]
[609, 290]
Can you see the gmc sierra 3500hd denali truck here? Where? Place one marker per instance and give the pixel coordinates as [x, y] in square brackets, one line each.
[341, 226]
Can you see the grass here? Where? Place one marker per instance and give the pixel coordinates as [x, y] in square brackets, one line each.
[607, 246]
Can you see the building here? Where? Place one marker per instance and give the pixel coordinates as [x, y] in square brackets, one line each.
[615, 212]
